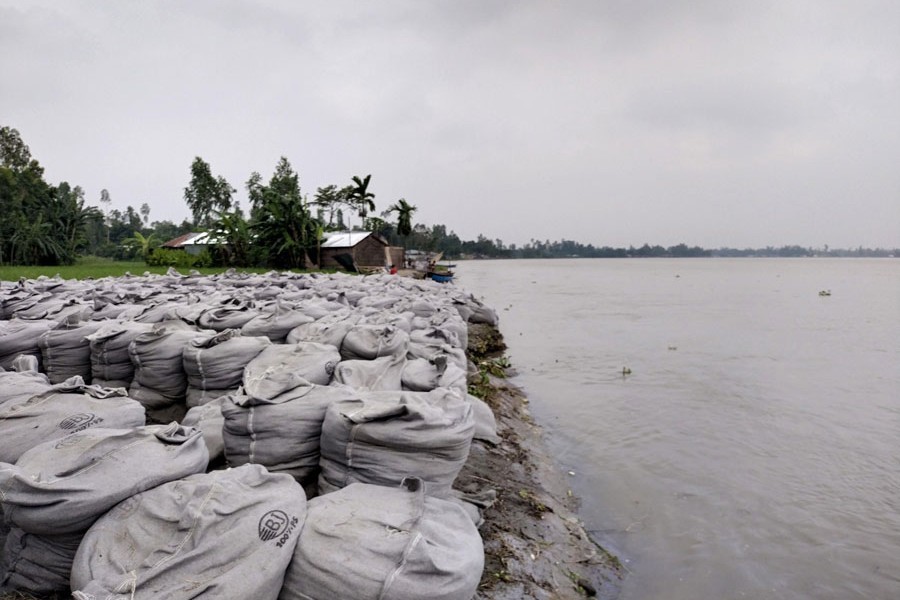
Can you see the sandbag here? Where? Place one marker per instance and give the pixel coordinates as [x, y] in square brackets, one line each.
[16, 387]
[12, 301]
[381, 374]
[111, 364]
[485, 421]
[45, 308]
[366, 341]
[280, 368]
[122, 312]
[382, 437]
[276, 325]
[482, 313]
[209, 420]
[224, 534]
[61, 410]
[449, 320]
[283, 433]
[158, 312]
[394, 543]
[37, 564]
[420, 375]
[21, 337]
[330, 329]
[159, 377]
[426, 375]
[231, 316]
[63, 486]
[426, 343]
[66, 351]
[24, 363]
[216, 363]
[319, 309]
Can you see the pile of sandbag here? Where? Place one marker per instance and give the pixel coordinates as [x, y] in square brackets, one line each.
[56, 490]
[348, 385]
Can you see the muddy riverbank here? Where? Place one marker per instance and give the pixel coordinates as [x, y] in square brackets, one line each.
[535, 545]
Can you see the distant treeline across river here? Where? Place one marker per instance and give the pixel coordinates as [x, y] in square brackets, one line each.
[569, 249]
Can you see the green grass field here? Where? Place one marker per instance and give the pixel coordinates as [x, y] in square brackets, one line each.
[96, 268]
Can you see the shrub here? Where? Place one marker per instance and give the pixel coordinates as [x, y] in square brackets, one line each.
[164, 257]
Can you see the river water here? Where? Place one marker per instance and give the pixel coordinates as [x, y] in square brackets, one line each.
[754, 449]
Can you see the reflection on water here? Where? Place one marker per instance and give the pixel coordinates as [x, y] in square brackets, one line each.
[754, 450]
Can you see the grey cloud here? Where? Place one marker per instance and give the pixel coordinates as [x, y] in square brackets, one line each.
[607, 122]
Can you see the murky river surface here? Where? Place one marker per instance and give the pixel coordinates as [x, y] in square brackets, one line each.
[754, 450]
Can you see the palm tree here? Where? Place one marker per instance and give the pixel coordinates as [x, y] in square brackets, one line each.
[404, 212]
[361, 197]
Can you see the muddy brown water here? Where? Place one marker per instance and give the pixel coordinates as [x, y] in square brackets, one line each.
[753, 451]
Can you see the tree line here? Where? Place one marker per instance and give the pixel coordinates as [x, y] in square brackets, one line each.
[46, 224]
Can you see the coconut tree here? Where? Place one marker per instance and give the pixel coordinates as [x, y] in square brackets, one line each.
[360, 196]
[404, 211]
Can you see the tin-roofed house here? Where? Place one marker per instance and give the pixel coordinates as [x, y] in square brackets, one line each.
[192, 243]
[358, 250]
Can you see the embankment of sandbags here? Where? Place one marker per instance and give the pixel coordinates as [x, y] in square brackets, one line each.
[295, 387]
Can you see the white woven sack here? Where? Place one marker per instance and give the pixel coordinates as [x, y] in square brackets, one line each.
[369, 542]
[223, 534]
[382, 437]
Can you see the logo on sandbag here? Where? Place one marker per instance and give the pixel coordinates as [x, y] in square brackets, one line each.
[70, 441]
[79, 421]
[276, 524]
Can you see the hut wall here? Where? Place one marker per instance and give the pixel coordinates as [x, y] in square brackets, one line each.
[398, 256]
[370, 253]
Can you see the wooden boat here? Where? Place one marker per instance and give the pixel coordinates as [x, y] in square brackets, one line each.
[441, 276]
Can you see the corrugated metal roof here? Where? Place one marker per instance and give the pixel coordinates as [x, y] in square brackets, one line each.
[344, 239]
[182, 240]
[204, 238]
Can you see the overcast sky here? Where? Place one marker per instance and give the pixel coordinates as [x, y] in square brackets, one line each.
[609, 122]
